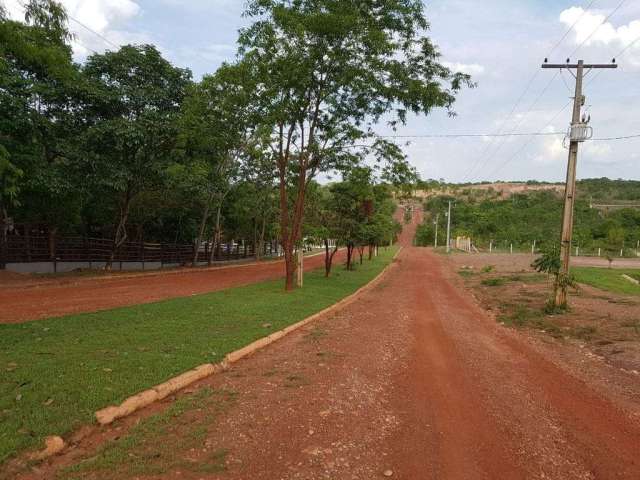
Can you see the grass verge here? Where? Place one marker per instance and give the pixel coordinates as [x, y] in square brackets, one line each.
[607, 279]
[56, 373]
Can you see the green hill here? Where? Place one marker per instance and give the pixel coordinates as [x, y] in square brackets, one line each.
[520, 218]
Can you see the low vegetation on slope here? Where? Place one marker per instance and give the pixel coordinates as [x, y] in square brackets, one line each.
[535, 216]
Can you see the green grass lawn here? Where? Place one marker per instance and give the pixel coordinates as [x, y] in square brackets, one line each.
[608, 279]
[56, 373]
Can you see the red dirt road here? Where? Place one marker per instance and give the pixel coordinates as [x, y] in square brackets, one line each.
[413, 381]
[53, 298]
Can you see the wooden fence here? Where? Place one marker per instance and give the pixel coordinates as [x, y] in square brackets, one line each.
[29, 248]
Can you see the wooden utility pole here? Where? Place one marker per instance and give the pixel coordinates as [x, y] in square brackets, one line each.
[449, 228]
[578, 132]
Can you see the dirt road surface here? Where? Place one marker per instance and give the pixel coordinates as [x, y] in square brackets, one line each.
[57, 297]
[413, 381]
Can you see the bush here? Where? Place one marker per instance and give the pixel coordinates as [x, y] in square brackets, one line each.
[493, 282]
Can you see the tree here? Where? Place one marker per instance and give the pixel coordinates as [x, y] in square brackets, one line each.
[323, 222]
[38, 81]
[131, 111]
[214, 138]
[327, 71]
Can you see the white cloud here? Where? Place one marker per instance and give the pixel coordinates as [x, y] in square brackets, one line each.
[553, 150]
[473, 69]
[592, 29]
[105, 17]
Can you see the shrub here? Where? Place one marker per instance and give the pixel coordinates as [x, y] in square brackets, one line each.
[493, 282]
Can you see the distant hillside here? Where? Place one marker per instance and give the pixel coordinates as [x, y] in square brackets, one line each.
[519, 213]
[596, 190]
[488, 190]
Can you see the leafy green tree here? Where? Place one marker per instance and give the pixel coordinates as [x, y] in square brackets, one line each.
[328, 71]
[131, 111]
[615, 237]
[323, 222]
[37, 84]
[214, 138]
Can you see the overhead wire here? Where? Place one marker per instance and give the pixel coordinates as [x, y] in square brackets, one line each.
[593, 32]
[481, 158]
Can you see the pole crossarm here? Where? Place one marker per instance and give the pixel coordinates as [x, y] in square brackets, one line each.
[588, 66]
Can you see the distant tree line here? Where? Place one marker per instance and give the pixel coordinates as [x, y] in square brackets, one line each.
[524, 218]
[127, 145]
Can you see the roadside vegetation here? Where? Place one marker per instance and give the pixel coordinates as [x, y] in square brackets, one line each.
[524, 218]
[126, 146]
[56, 373]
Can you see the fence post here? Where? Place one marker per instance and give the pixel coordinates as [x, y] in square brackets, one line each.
[4, 247]
[511, 248]
[52, 249]
[300, 268]
[27, 243]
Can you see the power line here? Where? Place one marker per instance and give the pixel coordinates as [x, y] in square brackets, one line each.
[524, 134]
[617, 56]
[519, 124]
[105, 39]
[463, 135]
[526, 144]
[74, 38]
[481, 158]
[624, 137]
[572, 53]
[611, 14]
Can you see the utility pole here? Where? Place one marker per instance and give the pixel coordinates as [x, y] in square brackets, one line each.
[435, 241]
[449, 228]
[578, 132]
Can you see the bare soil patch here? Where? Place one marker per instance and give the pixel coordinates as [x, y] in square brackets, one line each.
[604, 324]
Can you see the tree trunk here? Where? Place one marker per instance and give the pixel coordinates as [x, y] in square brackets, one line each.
[328, 257]
[203, 225]
[121, 231]
[290, 228]
[349, 255]
[361, 252]
[216, 235]
[370, 251]
[260, 243]
[4, 238]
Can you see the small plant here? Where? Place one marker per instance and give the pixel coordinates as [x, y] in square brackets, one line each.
[609, 259]
[488, 269]
[549, 260]
[465, 273]
[550, 308]
[493, 282]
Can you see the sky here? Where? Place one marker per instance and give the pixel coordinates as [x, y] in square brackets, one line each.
[501, 43]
